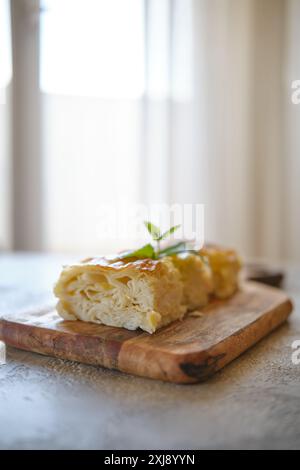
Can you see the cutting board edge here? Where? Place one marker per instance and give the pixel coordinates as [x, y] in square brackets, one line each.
[49, 342]
[170, 366]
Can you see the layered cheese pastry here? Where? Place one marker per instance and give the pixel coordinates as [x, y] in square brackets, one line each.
[225, 265]
[133, 294]
[196, 278]
[143, 293]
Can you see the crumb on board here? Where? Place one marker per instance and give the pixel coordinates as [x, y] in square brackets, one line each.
[196, 313]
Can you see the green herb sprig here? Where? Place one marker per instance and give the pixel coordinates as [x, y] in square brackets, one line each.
[155, 252]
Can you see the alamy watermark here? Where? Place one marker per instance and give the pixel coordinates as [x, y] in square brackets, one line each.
[296, 354]
[295, 97]
[126, 221]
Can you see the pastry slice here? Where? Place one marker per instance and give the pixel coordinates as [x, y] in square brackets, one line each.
[225, 265]
[146, 294]
[197, 279]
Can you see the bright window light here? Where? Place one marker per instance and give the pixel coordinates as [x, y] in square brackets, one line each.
[5, 45]
[93, 48]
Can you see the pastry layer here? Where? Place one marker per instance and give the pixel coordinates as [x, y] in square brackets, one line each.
[225, 265]
[197, 279]
[144, 294]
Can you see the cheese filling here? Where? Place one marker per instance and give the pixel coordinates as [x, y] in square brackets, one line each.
[131, 301]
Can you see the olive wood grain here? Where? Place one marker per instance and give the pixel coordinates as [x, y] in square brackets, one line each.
[186, 351]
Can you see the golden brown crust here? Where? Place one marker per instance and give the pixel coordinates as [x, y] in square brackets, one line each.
[112, 263]
[219, 254]
[225, 265]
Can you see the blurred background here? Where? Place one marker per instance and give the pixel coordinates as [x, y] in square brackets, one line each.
[186, 101]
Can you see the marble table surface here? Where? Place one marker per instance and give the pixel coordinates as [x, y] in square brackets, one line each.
[47, 403]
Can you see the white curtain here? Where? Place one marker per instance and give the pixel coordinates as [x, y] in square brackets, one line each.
[92, 87]
[290, 221]
[5, 114]
[200, 113]
[227, 129]
[185, 140]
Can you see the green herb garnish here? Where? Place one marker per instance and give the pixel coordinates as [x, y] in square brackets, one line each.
[151, 252]
[147, 251]
[157, 236]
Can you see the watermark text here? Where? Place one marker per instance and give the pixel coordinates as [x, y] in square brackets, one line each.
[296, 354]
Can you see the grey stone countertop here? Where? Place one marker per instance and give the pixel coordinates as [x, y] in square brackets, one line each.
[47, 403]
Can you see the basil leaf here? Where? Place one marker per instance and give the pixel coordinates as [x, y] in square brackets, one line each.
[169, 232]
[153, 230]
[147, 251]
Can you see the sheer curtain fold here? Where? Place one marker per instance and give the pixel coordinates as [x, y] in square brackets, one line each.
[290, 223]
[5, 117]
[210, 118]
[228, 143]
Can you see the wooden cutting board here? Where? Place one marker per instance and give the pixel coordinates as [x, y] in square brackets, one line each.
[186, 351]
